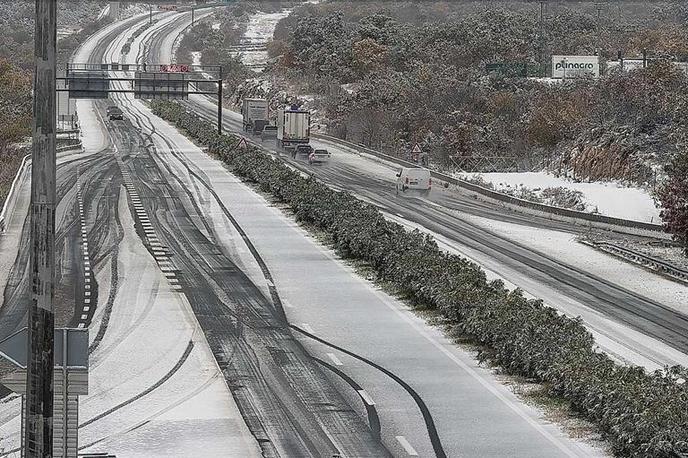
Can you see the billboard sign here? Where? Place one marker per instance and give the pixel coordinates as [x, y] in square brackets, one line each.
[575, 66]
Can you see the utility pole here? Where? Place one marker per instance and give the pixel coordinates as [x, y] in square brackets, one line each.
[542, 38]
[598, 5]
[219, 101]
[38, 428]
[150, 13]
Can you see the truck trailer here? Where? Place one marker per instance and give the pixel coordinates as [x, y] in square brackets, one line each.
[253, 111]
[293, 127]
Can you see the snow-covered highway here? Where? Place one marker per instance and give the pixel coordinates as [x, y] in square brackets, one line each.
[204, 314]
[220, 327]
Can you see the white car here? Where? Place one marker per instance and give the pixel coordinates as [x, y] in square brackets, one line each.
[414, 179]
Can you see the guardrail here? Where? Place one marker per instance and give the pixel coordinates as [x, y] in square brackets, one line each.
[11, 195]
[578, 218]
[643, 259]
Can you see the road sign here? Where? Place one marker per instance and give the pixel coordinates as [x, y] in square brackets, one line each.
[242, 144]
[160, 85]
[174, 68]
[75, 355]
[70, 379]
[14, 348]
[416, 149]
[88, 84]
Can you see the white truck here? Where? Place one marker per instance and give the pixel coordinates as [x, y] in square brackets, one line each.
[293, 127]
[255, 111]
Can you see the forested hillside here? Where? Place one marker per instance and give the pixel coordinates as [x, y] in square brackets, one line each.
[392, 75]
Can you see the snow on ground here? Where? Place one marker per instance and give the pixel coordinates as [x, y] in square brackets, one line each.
[609, 335]
[361, 318]
[149, 331]
[259, 31]
[606, 198]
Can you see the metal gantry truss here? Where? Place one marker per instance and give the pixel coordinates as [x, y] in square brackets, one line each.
[144, 80]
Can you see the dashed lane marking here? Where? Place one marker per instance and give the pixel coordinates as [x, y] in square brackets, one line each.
[366, 397]
[406, 445]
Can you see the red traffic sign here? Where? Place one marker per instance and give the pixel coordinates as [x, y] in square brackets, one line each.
[174, 68]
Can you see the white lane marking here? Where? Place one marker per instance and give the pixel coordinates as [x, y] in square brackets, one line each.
[334, 359]
[83, 317]
[407, 447]
[86, 309]
[87, 280]
[86, 268]
[270, 283]
[87, 286]
[366, 397]
[81, 325]
[87, 301]
[307, 327]
[400, 215]
[87, 293]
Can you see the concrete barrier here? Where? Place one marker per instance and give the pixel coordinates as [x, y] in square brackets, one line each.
[473, 190]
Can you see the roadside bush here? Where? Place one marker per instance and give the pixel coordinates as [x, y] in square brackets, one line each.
[640, 414]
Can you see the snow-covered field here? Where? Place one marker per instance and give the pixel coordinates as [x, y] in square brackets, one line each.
[605, 198]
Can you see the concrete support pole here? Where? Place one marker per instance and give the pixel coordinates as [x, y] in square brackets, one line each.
[41, 321]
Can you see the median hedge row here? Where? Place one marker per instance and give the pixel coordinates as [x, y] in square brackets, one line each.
[640, 413]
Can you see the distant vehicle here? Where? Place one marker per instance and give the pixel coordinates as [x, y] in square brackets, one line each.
[268, 132]
[254, 110]
[414, 178]
[319, 156]
[114, 112]
[293, 127]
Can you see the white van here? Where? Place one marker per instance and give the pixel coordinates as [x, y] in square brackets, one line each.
[414, 179]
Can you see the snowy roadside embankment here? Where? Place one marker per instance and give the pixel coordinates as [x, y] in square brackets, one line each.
[604, 198]
[259, 31]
